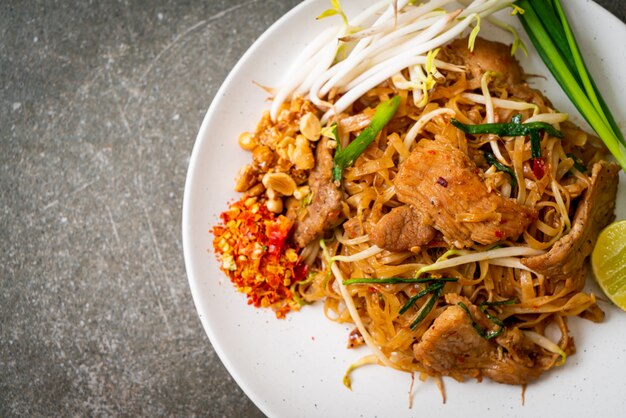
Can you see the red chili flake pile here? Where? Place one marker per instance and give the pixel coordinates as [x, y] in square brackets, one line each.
[252, 246]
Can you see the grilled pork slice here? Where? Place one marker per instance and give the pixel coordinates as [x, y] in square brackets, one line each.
[486, 56]
[324, 212]
[402, 229]
[453, 347]
[594, 212]
[444, 186]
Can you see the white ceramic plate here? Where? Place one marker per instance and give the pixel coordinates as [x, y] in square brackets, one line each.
[294, 367]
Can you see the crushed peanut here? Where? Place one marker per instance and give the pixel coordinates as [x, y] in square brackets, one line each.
[279, 182]
[310, 126]
[247, 141]
[303, 155]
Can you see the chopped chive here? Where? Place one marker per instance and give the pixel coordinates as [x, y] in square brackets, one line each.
[486, 335]
[413, 299]
[578, 165]
[498, 322]
[396, 280]
[515, 128]
[535, 144]
[493, 319]
[428, 306]
[500, 303]
[491, 159]
[507, 129]
[347, 156]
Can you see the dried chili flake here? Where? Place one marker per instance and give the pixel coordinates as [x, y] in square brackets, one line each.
[539, 168]
[252, 245]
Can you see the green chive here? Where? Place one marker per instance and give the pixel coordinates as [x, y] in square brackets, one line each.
[347, 156]
[583, 74]
[428, 306]
[486, 335]
[500, 303]
[493, 319]
[578, 165]
[507, 129]
[535, 144]
[396, 280]
[421, 294]
[548, 29]
[515, 128]
[491, 159]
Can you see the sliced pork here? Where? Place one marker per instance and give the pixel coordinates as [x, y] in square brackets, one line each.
[453, 347]
[486, 56]
[324, 212]
[594, 212]
[444, 186]
[402, 229]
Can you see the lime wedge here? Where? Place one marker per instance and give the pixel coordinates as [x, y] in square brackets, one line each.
[608, 261]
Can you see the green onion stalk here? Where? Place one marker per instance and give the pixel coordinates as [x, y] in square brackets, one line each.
[347, 156]
[548, 29]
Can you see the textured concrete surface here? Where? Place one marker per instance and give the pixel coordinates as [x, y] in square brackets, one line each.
[100, 102]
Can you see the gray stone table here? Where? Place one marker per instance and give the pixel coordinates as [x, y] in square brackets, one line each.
[100, 102]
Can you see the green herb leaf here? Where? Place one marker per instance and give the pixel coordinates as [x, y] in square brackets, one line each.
[346, 157]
